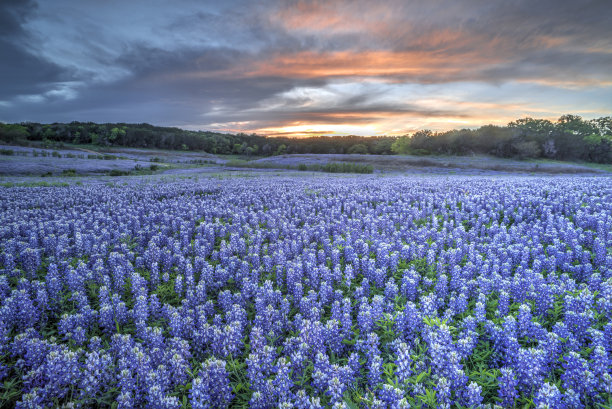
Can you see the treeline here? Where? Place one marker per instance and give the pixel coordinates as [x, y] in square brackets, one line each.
[149, 136]
[569, 138]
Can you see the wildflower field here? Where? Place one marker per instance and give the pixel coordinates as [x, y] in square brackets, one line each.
[322, 292]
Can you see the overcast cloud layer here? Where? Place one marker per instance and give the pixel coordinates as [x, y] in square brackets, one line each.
[304, 67]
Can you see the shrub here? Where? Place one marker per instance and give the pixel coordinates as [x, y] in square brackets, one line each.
[118, 172]
[7, 152]
[69, 172]
[359, 149]
[420, 152]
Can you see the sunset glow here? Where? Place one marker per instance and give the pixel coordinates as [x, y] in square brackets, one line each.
[305, 68]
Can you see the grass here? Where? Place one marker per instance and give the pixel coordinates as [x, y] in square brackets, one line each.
[606, 167]
[344, 167]
[35, 184]
[332, 167]
[137, 171]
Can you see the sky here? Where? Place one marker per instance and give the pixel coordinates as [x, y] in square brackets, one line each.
[301, 68]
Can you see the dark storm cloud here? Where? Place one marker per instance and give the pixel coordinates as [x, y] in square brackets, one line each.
[264, 65]
[20, 71]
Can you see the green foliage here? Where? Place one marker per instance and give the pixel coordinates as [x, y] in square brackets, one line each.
[401, 145]
[116, 133]
[12, 132]
[359, 148]
[282, 149]
[69, 172]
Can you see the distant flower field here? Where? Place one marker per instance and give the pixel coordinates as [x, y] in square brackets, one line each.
[342, 292]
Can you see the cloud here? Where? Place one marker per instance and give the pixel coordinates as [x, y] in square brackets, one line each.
[316, 65]
[23, 73]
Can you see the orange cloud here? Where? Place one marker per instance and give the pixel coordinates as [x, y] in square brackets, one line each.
[309, 64]
[388, 66]
[331, 17]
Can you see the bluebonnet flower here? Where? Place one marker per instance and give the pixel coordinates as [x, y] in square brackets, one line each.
[443, 393]
[282, 381]
[530, 368]
[391, 396]
[403, 363]
[480, 312]
[577, 375]
[572, 400]
[211, 385]
[549, 396]
[158, 400]
[31, 400]
[199, 397]
[507, 387]
[472, 396]
[374, 371]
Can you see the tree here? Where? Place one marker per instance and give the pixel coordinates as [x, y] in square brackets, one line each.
[95, 139]
[603, 125]
[12, 132]
[48, 133]
[358, 149]
[598, 148]
[239, 148]
[538, 128]
[401, 145]
[116, 133]
[383, 146]
[526, 149]
[422, 139]
[282, 149]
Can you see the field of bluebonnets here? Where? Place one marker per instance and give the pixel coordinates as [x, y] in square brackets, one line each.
[369, 292]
